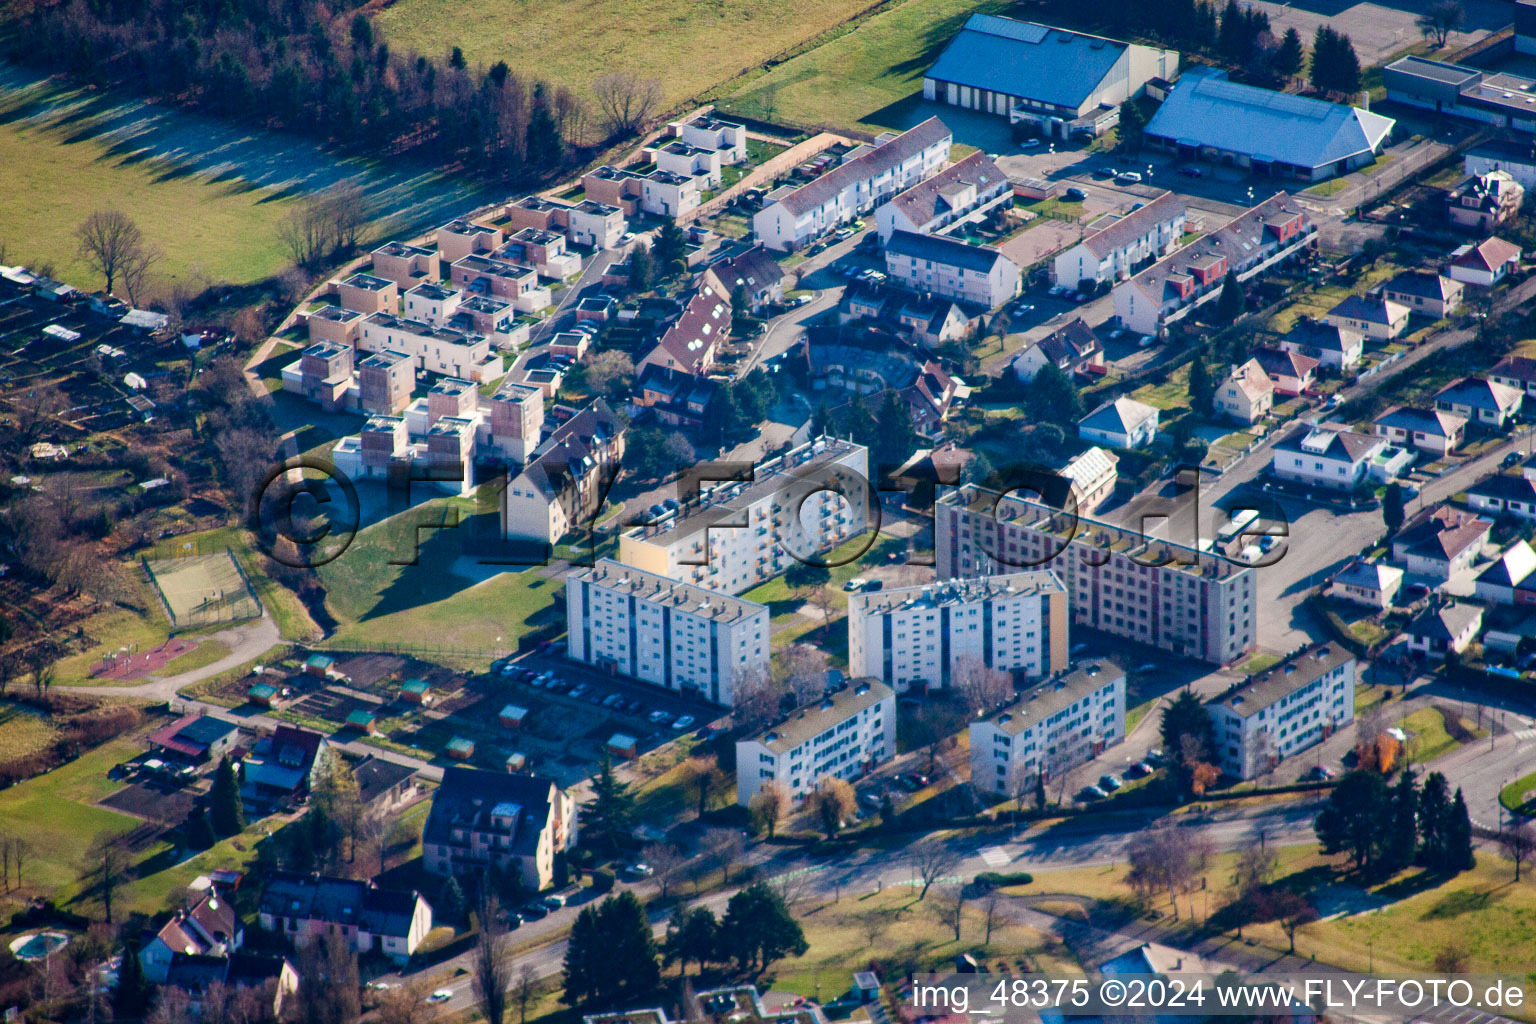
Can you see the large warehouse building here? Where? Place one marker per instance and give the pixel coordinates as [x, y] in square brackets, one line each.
[1061, 82]
[1207, 117]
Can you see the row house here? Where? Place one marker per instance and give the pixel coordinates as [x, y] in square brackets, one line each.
[501, 279]
[691, 343]
[334, 324]
[366, 293]
[934, 265]
[445, 350]
[406, 265]
[1116, 251]
[965, 191]
[543, 250]
[591, 223]
[1257, 239]
[662, 192]
[460, 238]
[706, 131]
[792, 217]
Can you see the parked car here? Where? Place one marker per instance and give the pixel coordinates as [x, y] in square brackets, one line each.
[854, 585]
[683, 722]
[1091, 793]
[1030, 144]
[442, 995]
[1109, 783]
[659, 716]
[1023, 308]
[870, 800]
[1510, 459]
[1191, 172]
[1075, 195]
[1128, 178]
[578, 689]
[906, 783]
[1138, 770]
[641, 870]
[534, 911]
[874, 585]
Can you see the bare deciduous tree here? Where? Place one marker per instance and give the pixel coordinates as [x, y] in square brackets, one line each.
[1166, 857]
[932, 859]
[136, 269]
[406, 1003]
[522, 991]
[108, 864]
[1518, 842]
[110, 242]
[803, 671]
[756, 699]
[492, 966]
[665, 861]
[625, 101]
[723, 848]
[769, 805]
[950, 907]
[978, 685]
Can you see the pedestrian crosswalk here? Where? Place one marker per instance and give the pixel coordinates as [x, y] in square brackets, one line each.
[995, 856]
[1525, 734]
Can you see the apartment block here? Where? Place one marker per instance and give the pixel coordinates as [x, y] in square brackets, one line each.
[842, 735]
[951, 269]
[481, 819]
[867, 177]
[444, 350]
[660, 631]
[922, 636]
[738, 534]
[365, 293]
[460, 238]
[1284, 710]
[501, 279]
[566, 479]
[385, 381]
[303, 908]
[1147, 589]
[517, 420]
[406, 265]
[1051, 729]
[965, 191]
[1116, 251]
[333, 324]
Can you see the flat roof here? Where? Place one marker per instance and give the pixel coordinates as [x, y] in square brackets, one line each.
[652, 588]
[960, 591]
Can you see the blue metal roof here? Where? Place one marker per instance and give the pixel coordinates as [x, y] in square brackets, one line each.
[1205, 109]
[1021, 58]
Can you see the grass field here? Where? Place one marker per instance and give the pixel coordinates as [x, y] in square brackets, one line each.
[379, 603]
[23, 731]
[849, 80]
[1428, 737]
[689, 47]
[205, 653]
[224, 229]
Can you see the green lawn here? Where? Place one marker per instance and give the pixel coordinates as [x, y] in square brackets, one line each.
[1427, 735]
[23, 731]
[204, 654]
[1172, 393]
[1512, 796]
[850, 80]
[689, 47]
[225, 229]
[380, 603]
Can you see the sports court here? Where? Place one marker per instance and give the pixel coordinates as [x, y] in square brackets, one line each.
[200, 589]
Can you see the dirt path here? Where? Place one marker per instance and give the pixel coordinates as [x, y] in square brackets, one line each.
[246, 642]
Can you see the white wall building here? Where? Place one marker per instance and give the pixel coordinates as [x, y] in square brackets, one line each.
[658, 630]
[443, 350]
[739, 534]
[842, 735]
[1284, 710]
[935, 265]
[921, 636]
[1115, 251]
[966, 190]
[1051, 729]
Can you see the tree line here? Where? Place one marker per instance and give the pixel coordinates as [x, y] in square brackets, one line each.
[302, 66]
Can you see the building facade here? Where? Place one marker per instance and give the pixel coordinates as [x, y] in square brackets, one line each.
[1049, 730]
[481, 818]
[841, 735]
[663, 632]
[1284, 710]
[924, 636]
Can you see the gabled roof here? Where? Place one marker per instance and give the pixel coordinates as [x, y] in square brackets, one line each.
[1252, 380]
[1442, 533]
[1446, 622]
[1066, 345]
[1434, 422]
[1368, 575]
[1488, 255]
[1241, 242]
[1425, 285]
[567, 454]
[375, 777]
[1089, 467]
[928, 199]
[1477, 393]
[1021, 58]
[1278, 362]
[1521, 368]
[754, 270]
[1331, 443]
[702, 327]
[1121, 416]
[1375, 311]
[1166, 208]
[1512, 568]
[947, 251]
[869, 164]
[468, 798]
[1505, 487]
[1322, 337]
[1205, 109]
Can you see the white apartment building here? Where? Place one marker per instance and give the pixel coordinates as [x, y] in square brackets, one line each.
[867, 177]
[660, 631]
[1155, 591]
[843, 735]
[1284, 710]
[738, 534]
[443, 350]
[1051, 729]
[966, 190]
[1336, 459]
[919, 636]
[935, 265]
[706, 131]
[1116, 251]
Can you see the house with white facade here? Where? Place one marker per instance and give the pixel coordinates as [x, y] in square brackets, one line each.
[966, 190]
[1431, 294]
[1485, 264]
[1432, 431]
[1120, 423]
[1284, 710]
[1518, 372]
[1050, 729]
[1330, 344]
[1509, 579]
[1246, 395]
[951, 269]
[1378, 318]
[1261, 237]
[1071, 349]
[1486, 403]
[927, 636]
[303, 908]
[841, 735]
[1372, 584]
[1116, 250]
[664, 632]
[1504, 493]
[446, 350]
[1091, 476]
[867, 177]
[1335, 459]
[1440, 541]
[1444, 629]
[1291, 372]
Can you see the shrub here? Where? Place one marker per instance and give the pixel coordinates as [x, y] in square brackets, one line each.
[602, 880]
[997, 879]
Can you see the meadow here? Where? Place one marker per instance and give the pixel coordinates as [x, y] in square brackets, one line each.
[689, 47]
